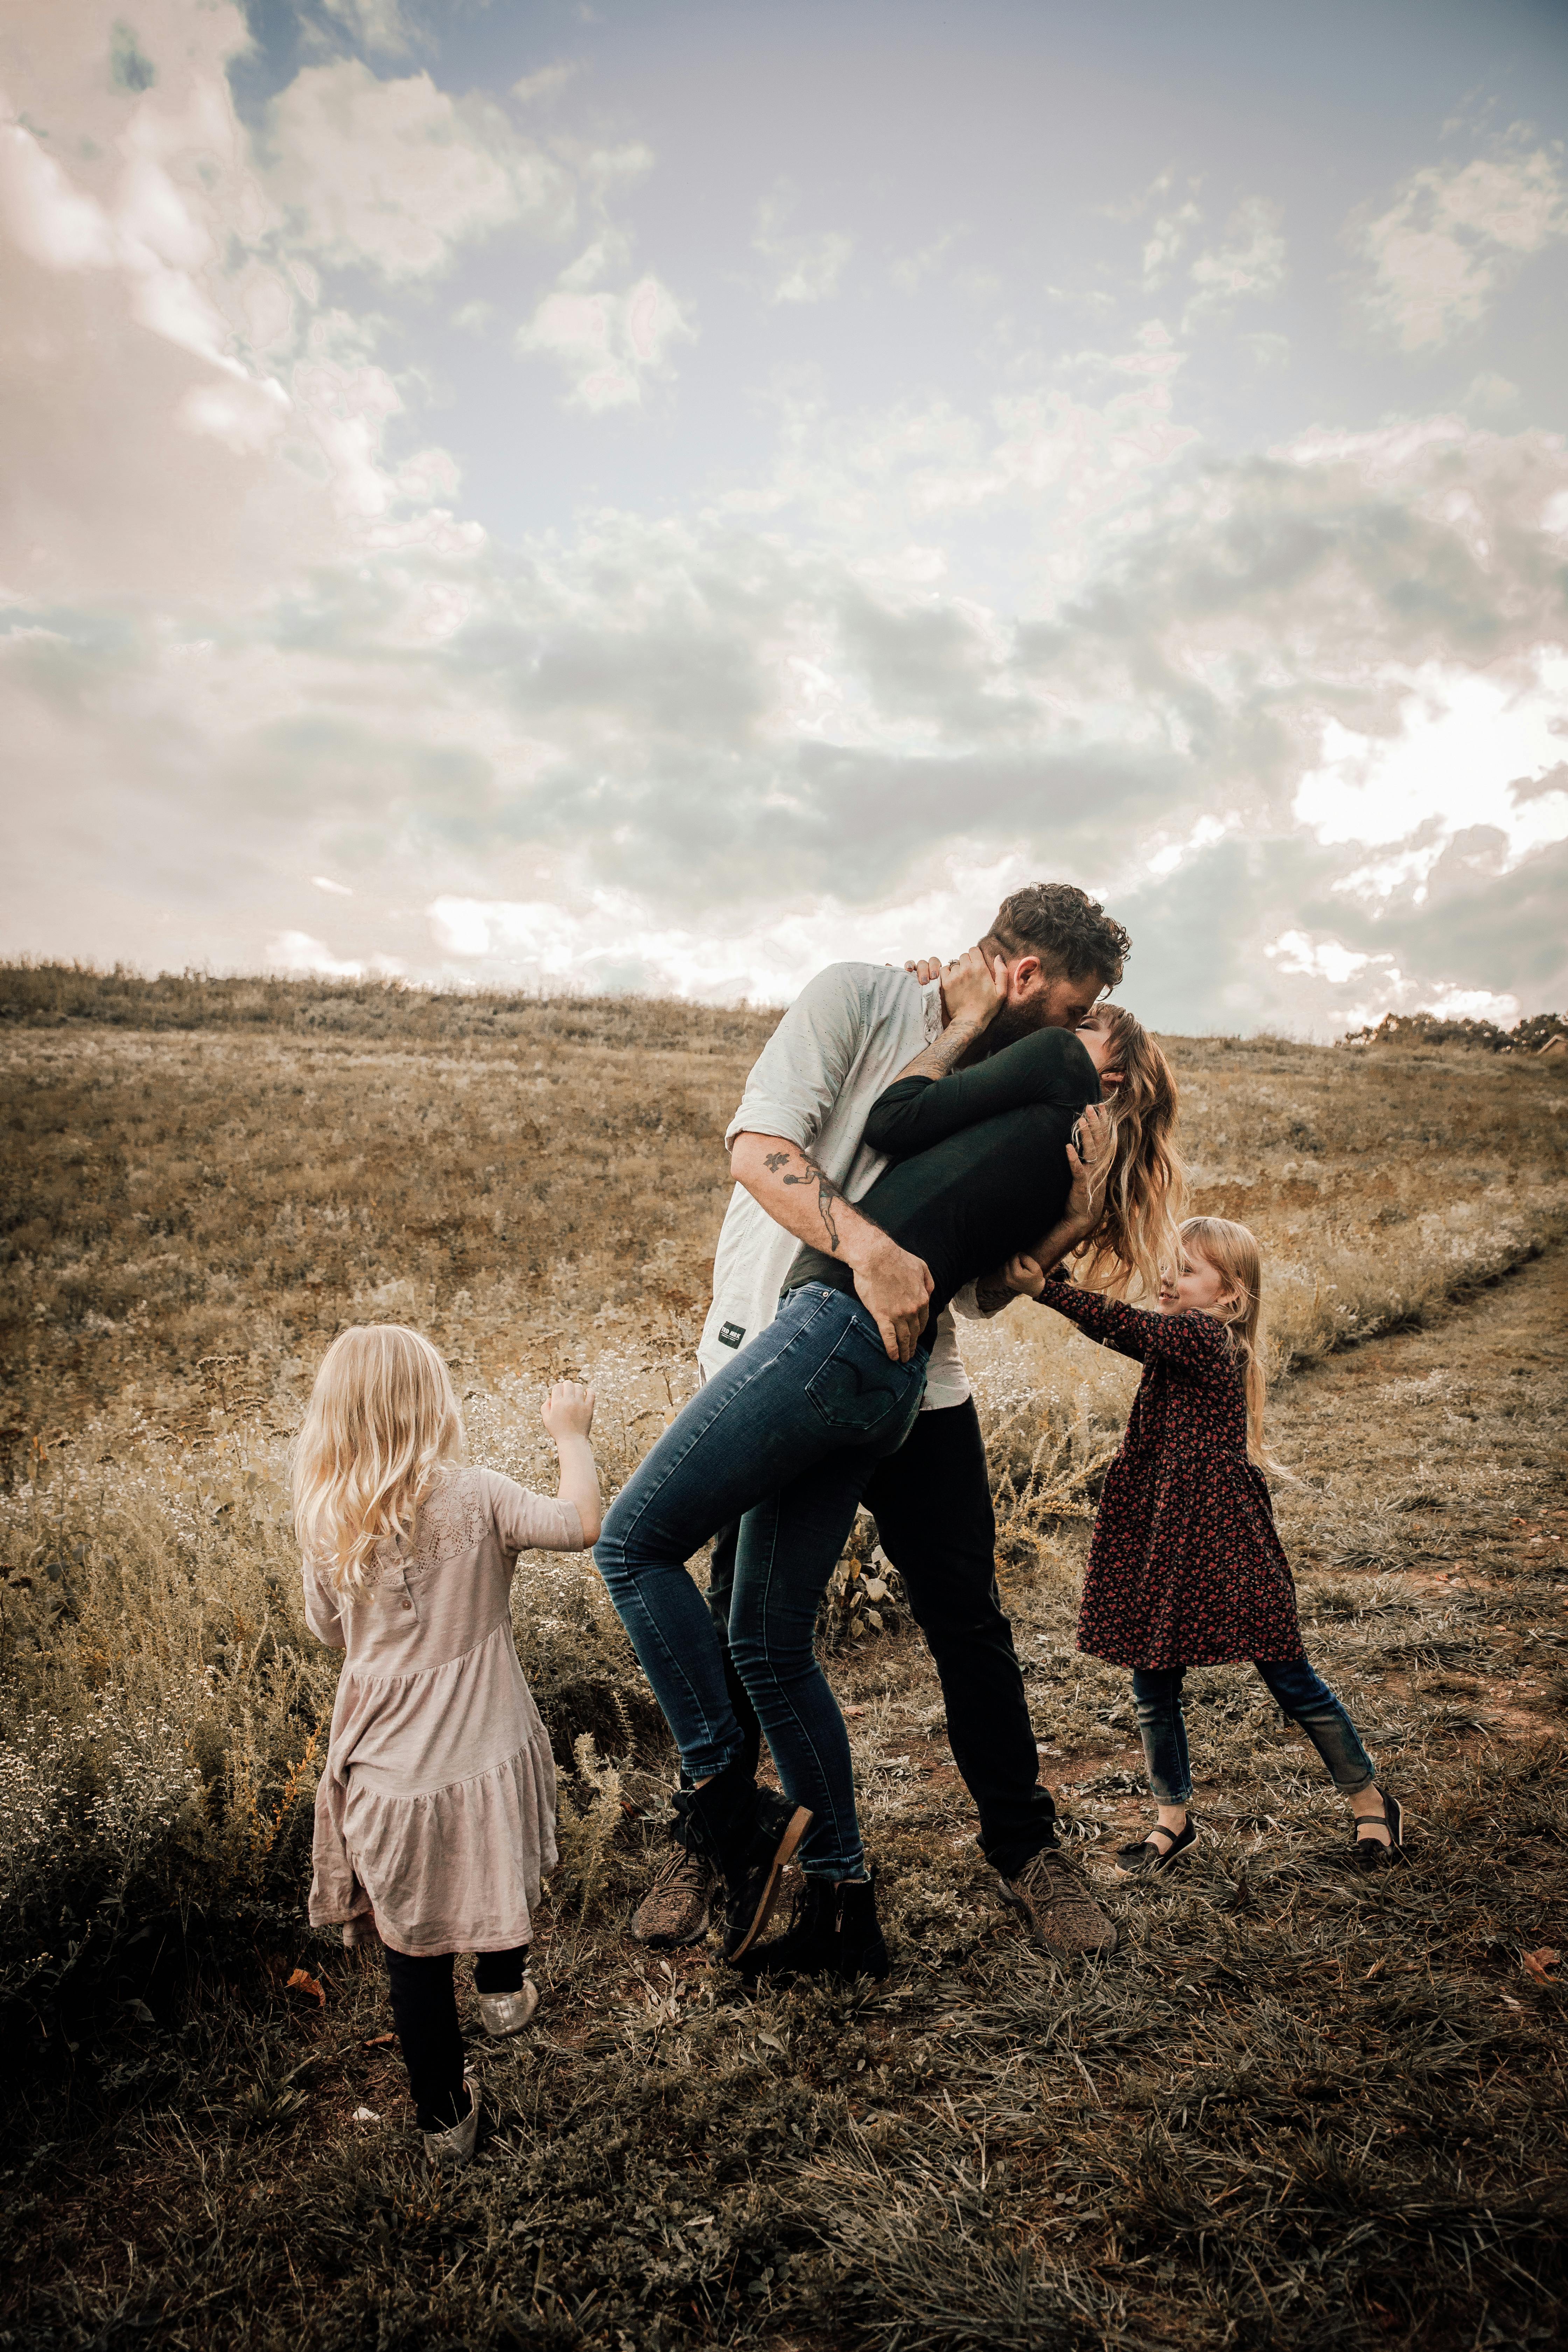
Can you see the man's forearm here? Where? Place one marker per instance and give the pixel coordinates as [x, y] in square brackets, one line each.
[945, 1053]
[894, 1288]
[796, 1193]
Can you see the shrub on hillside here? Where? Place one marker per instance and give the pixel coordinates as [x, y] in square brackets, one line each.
[1526, 1036]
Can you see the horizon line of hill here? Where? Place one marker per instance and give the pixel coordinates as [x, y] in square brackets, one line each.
[40, 993]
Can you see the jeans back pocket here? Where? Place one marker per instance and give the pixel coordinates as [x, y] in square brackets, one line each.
[861, 1393]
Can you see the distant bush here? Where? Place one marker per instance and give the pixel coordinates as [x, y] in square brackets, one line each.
[1431, 1029]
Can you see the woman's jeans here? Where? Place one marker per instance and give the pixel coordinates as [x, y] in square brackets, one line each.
[783, 1439]
[1295, 1688]
[425, 2011]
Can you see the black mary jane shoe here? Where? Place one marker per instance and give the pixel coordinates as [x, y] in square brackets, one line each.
[1143, 1858]
[1371, 1854]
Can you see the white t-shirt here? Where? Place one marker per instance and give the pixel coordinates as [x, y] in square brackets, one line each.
[843, 1041]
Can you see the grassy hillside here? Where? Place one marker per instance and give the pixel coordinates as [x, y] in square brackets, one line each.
[202, 1181]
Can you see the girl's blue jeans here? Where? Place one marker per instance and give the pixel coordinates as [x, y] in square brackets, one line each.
[1301, 1694]
[784, 1439]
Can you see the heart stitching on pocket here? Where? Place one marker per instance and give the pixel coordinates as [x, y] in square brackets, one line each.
[858, 1388]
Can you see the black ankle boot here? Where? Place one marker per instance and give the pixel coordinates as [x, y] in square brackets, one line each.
[748, 1834]
[833, 1932]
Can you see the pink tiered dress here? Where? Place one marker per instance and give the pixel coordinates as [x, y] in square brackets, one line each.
[437, 1807]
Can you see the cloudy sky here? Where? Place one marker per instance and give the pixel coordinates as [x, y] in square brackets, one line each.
[661, 495]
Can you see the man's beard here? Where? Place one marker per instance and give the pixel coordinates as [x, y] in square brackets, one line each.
[1015, 1020]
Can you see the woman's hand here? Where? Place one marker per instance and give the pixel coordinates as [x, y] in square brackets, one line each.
[568, 1410]
[974, 989]
[1090, 1166]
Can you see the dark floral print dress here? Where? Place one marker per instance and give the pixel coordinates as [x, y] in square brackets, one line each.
[1186, 1568]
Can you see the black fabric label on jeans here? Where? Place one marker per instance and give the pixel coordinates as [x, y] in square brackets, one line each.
[731, 1334]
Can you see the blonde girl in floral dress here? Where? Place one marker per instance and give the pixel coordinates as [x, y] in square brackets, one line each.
[436, 1812]
[1186, 1567]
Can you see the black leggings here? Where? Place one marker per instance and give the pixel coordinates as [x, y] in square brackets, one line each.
[425, 2011]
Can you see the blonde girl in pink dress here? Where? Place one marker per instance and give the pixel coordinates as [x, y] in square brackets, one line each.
[436, 1812]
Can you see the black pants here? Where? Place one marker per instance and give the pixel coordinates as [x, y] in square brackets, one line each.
[931, 1503]
[425, 2011]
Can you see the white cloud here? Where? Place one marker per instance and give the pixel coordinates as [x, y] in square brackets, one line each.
[1248, 266]
[1491, 396]
[394, 175]
[1165, 243]
[297, 951]
[1267, 349]
[809, 268]
[45, 214]
[375, 25]
[608, 345]
[546, 84]
[245, 417]
[1453, 238]
[910, 272]
[1323, 959]
[615, 939]
[333, 889]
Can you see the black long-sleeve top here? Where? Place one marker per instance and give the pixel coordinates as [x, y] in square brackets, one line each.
[980, 1163]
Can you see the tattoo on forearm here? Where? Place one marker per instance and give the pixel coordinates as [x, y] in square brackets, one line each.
[827, 1192]
[991, 1294]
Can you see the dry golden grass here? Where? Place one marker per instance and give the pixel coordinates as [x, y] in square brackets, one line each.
[1187, 2145]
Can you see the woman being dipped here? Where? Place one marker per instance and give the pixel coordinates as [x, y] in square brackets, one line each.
[785, 1440]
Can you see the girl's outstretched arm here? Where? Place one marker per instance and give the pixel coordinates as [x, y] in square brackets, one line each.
[567, 1413]
[1195, 1342]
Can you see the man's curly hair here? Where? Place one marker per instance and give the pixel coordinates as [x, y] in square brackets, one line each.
[1069, 931]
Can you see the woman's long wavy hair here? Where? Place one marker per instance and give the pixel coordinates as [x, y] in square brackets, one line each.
[1231, 1250]
[1146, 1189]
[383, 1418]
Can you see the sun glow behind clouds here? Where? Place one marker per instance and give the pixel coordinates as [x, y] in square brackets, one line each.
[1464, 739]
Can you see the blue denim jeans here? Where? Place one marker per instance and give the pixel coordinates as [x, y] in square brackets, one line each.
[784, 1439]
[1303, 1696]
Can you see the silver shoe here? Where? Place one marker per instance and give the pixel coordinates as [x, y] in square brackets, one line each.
[501, 2013]
[457, 2146]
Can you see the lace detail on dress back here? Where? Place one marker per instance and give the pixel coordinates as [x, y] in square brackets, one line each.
[450, 1522]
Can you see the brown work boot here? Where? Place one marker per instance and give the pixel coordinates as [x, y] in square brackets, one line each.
[1061, 1911]
[677, 1907]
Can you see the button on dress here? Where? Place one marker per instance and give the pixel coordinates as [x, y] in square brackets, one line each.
[437, 1806]
[1186, 1567]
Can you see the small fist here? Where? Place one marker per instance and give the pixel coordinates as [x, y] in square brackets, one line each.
[568, 1410]
[1025, 1276]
